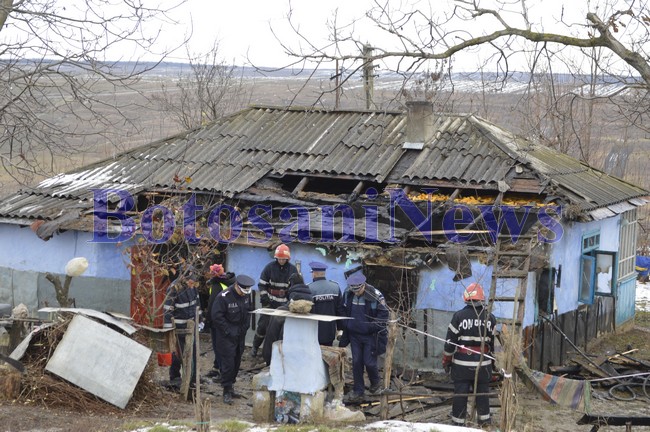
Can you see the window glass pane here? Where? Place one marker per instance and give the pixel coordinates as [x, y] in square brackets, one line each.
[604, 273]
[586, 279]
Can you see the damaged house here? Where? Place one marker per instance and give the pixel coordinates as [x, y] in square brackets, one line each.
[425, 203]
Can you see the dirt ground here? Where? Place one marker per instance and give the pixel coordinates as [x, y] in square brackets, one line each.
[534, 413]
[538, 415]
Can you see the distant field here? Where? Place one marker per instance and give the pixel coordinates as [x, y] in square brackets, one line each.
[503, 106]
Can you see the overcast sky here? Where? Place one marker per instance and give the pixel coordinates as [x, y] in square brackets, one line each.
[243, 27]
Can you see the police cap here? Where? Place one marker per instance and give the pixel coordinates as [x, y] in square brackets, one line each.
[317, 266]
[356, 279]
[245, 281]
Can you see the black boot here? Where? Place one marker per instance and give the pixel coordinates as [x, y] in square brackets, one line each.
[227, 396]
[257, 343]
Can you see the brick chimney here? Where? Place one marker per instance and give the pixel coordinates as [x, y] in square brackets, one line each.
[419, 124]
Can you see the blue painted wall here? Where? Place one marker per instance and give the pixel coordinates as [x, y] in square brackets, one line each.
[21, 249]
[437, 290]
[243, 259]
[25, 258]
[567, 252]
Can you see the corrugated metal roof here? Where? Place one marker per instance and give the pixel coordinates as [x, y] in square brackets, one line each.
[593, 188]
[233, 153]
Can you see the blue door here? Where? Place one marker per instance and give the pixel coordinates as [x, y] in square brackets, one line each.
[625, 297]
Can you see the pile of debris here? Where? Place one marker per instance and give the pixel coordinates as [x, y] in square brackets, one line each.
[625, 376]
[417, 396]
[86, 361]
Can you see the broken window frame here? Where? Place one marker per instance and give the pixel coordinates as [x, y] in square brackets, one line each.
[587, 289]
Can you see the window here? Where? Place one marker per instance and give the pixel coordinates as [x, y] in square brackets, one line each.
[605, 275]
[590, 242]
[597, 269]
[597, 275]
[627, 245]
[586, 294]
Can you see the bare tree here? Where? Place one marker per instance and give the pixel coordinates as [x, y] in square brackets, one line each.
[55, 74]
[606, 41]
[211, 89]
[413, 35]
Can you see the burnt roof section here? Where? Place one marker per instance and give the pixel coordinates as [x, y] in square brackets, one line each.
[232, 154]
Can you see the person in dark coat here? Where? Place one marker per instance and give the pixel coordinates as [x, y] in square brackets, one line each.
[327, 296]
[273, 287]
[229, 315]
[366, 333]
[179, 308]
[275, 330]
[470, 331]
[219, 281]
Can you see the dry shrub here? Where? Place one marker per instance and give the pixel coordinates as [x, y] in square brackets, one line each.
[39, 387]
[508, 360]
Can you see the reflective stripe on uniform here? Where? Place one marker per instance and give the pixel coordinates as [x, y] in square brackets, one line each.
[185, 305]
[484, 417]
[458, 420]
[453, 329]
[277, 299]
[468, 363]
[475, 339]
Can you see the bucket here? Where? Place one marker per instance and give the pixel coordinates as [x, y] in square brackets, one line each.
[164, 359]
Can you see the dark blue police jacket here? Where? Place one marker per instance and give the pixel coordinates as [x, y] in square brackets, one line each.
[376, 316]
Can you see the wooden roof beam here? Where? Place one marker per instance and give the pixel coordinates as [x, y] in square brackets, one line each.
[300, 186]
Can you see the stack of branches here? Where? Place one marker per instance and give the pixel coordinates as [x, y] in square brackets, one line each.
[39, 387]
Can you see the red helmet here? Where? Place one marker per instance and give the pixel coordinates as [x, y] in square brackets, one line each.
[474, 292]
[282, 252]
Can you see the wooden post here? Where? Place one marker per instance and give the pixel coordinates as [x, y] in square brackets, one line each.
[388, 362]
[197, 372]
[201, 408]
[187, 359]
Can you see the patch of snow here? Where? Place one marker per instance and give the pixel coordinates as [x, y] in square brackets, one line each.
[400, 426]
[642, 301]
[165, 425]
[384, 426]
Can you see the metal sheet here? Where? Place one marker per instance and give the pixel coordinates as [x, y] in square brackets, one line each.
[312, 317]
[20, 350]
[228, 156]
[108, 319]
[601, 213]
[99, 360]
